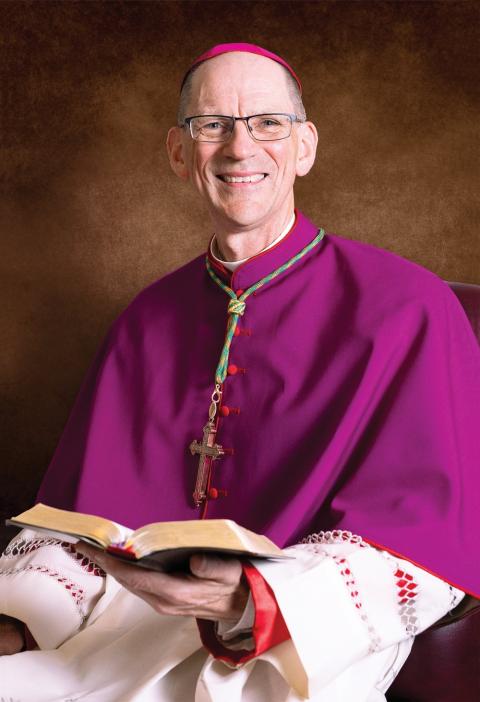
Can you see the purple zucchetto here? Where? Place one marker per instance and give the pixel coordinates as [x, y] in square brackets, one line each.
[220, 49]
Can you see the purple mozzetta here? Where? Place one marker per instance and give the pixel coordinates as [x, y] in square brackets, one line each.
[357, 407]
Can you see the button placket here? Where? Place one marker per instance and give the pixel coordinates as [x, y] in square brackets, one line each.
[225, 411]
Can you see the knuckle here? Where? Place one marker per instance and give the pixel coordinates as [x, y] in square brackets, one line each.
[164, 608]
[176, 598]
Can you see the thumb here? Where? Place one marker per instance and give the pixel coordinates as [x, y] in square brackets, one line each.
[215, 568]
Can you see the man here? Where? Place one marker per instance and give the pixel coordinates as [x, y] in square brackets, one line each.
[343, 398]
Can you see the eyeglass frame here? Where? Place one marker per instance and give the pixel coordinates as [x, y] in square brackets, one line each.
[187, 122]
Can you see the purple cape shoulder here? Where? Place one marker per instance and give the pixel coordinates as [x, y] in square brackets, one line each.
[355, 406]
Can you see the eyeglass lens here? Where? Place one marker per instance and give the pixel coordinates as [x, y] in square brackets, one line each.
[262, 127]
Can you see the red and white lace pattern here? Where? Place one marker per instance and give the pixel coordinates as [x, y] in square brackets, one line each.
[315, 542]
[407, 592]
[337, 536]
[83, 561]
[349, 579]
[23, 546]
[76, 592]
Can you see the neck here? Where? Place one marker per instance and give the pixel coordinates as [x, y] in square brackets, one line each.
[242, 243]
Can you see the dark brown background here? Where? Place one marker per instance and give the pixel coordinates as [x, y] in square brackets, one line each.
[91, 214]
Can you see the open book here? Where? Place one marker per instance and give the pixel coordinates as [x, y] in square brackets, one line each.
[160, 546]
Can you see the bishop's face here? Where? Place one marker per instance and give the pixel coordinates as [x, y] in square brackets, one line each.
[242, 84]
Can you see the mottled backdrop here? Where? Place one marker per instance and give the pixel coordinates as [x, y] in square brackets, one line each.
[91, 214]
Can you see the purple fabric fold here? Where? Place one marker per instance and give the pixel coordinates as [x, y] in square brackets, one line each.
[357, 408]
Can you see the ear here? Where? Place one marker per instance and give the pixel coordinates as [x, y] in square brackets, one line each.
[177, 152]
[307, 147]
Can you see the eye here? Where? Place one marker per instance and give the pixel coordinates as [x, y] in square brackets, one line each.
[269, 122]
[212, 125]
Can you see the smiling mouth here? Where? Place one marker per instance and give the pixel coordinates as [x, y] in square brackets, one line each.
[255, 178]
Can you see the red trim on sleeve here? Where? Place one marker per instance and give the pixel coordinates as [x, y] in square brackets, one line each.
[269, 628]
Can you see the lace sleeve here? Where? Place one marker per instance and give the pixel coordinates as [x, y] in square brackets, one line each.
[49, 585]
[353, 610]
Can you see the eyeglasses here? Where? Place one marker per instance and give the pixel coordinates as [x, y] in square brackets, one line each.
[270, 126]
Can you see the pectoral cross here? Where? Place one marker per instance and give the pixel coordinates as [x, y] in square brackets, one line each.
[208, 451]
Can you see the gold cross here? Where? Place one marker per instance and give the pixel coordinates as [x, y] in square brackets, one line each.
[208, 451]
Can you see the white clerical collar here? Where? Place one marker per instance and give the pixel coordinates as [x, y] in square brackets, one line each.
[233, 265]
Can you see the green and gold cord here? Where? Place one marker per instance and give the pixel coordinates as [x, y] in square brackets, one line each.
[237, 305]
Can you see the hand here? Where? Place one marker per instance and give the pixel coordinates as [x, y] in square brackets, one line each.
[11, 635]
[214, 589]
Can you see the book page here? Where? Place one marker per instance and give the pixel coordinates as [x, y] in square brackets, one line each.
[95, 529]
[221, 535]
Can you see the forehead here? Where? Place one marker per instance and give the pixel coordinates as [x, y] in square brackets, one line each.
[237, 81]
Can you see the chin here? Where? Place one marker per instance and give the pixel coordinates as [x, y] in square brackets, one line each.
[245, 215]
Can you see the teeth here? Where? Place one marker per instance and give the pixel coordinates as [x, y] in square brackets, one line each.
[244, 179]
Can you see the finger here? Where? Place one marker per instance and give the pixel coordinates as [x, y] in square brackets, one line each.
[223, 570]
[113, 566]
[132, 577]
[211, 591]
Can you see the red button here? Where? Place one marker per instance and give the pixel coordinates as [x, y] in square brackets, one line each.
[213, 493]
[233, 369]
[224, 410]
[239, 292]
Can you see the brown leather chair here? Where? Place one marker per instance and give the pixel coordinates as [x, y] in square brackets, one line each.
[444, 665]
[469, 296]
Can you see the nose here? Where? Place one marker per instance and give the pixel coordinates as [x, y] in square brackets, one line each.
[241, 144]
